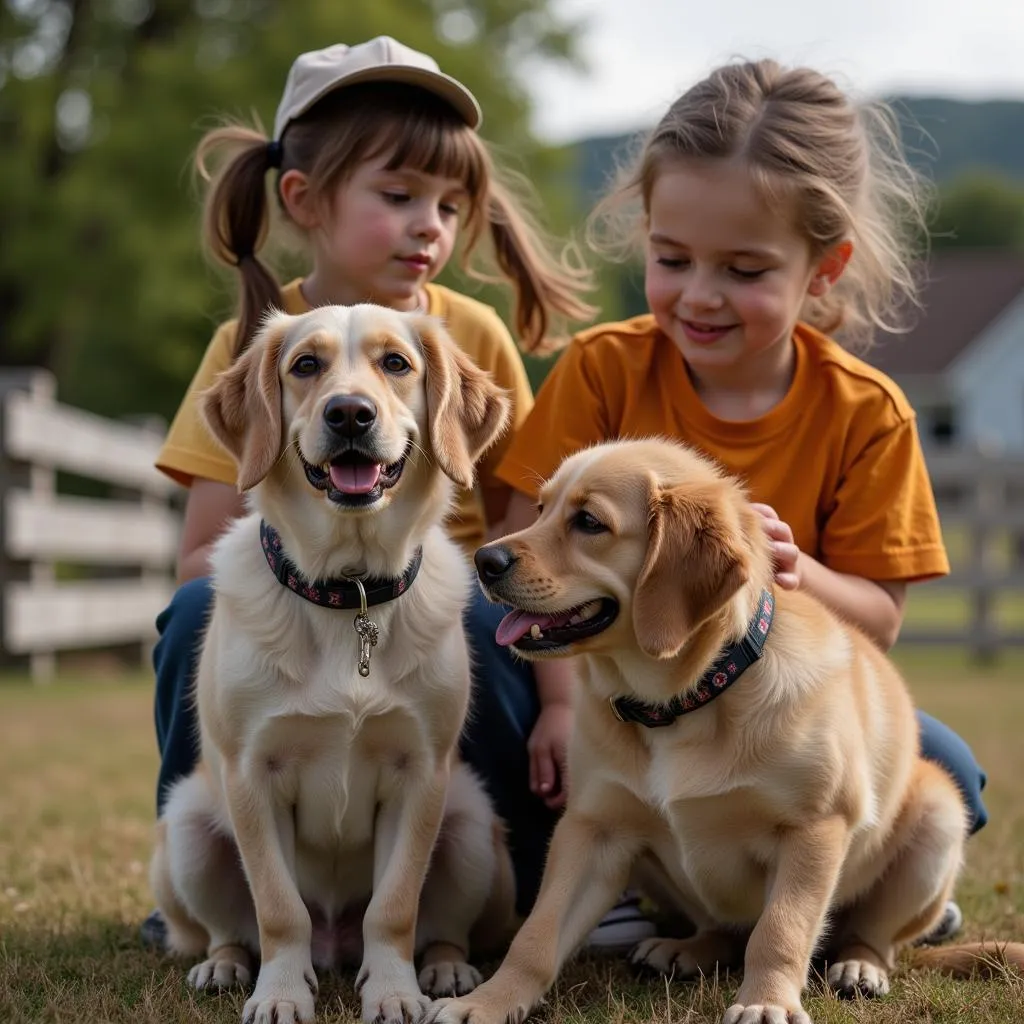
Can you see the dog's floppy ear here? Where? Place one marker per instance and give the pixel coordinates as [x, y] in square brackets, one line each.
[243, 406]
[467, 411]
[694, 564]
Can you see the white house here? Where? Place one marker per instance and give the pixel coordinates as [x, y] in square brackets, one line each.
[962, 363]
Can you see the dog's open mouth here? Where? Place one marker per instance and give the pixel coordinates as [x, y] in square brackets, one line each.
[537, 631]
[353, 478]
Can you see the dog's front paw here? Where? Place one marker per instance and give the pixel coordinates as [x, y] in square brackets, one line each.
[850, 978]
[390, 994]
[285, 992]
[473, 1010]
[767, 999]
[765, 1013]
[226, 967]
[449, 978]
[668, 956]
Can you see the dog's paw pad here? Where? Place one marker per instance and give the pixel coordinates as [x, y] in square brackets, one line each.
[285, 992]
[851, 978]
[764, 1013]
[288, 1007]
[449, 978]
[473, 1011]
[665, 956]
[220, 972]
[399, 1009]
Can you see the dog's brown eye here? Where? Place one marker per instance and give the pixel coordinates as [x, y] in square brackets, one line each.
[306, 366]
[586, 523]
[394, 363]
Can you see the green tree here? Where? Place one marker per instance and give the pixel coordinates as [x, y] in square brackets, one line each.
[980, 210]
[102, 278]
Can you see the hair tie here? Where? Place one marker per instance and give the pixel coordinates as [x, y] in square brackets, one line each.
[245, 254]
[275, 153]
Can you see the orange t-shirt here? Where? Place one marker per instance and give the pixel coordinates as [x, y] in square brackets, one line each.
[838, 458]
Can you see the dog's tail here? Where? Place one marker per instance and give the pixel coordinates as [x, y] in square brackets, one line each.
[992, 959]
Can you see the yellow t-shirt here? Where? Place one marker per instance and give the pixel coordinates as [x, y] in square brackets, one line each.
[838, 458]
[190, 451]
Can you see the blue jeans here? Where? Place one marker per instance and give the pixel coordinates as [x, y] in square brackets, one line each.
[502, 715]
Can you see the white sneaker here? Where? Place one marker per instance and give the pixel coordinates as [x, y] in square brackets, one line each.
[950, 923]
[623, 926]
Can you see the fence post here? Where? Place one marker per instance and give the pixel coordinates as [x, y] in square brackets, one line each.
[43, 483]
[38, 479]
[158, 427]
[989, 497]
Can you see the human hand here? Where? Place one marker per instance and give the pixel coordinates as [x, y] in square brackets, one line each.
[547, 746]
[785, 553]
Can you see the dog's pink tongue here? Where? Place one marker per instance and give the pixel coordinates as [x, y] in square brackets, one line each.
[354, 477]
[516, 625]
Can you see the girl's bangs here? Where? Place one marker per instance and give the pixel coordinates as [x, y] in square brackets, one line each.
[435, 145]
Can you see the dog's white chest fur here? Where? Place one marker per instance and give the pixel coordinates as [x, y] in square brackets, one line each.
[329, 745]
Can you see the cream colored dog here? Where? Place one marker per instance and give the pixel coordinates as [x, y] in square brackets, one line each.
[783, 808]
[329, 762]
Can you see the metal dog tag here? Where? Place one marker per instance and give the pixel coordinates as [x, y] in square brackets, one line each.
[367, 630]
[368, 636]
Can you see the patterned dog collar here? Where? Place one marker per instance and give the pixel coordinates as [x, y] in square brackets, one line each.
[725, 671]
[339, 593]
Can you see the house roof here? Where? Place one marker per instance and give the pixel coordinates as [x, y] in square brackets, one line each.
[965, 291]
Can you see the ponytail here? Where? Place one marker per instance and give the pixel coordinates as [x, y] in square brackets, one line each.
[236, 218]
[543, 283]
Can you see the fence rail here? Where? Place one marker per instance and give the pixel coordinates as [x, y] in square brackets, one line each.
[83, 572]
[78, 572]
[981, 502]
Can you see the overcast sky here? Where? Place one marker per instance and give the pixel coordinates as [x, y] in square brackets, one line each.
[642, 53]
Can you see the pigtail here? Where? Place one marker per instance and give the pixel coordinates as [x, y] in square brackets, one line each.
[236, 218]
[543, 283]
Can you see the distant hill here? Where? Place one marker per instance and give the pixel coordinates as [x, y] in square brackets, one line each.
[944, 137]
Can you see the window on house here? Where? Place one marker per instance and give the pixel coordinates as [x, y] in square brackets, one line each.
[942, 425]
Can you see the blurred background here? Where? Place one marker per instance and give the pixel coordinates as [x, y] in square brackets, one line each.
[107, 302]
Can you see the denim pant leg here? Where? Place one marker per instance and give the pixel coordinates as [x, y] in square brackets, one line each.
[175, 657]
[943, 746]
[503, 711]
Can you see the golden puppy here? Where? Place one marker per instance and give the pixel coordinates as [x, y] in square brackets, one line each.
[757, 762]
[329, 736]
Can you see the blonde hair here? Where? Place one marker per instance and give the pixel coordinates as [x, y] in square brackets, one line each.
[840, 165]
[416, 130]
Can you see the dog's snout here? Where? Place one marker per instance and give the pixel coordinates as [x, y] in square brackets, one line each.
[350, 415]
[493, 562]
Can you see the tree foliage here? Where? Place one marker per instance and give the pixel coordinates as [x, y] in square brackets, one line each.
[102, 102]
[980, 210]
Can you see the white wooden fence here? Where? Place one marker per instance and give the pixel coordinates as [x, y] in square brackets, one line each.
[981, 502]
[78, 572]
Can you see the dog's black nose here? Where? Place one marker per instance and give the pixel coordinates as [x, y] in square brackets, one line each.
[492, 562]
[350, 415]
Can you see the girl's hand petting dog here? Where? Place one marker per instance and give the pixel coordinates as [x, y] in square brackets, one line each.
[784, 552]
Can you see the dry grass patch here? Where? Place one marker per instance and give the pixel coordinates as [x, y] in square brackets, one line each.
[78, 767]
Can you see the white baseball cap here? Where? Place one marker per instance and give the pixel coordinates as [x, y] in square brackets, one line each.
[383, 59]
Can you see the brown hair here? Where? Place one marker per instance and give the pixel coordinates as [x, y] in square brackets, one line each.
[839, 164]
[419, 130]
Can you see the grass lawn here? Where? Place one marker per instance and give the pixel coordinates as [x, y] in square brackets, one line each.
[78, 765]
